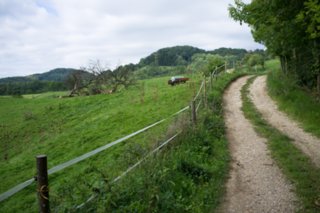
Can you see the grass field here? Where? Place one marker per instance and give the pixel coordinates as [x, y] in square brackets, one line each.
[68, 127]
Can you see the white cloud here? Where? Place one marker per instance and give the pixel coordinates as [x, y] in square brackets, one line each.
[39, 35]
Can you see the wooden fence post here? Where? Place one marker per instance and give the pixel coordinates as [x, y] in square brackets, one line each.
[42, 188]
[193, 113]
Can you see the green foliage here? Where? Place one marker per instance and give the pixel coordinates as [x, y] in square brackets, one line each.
[182, 59]
[157, 71]
[310, 18]
[278, 25]
[205, 63]
[171, 56]
[223, 51]
[254, 60]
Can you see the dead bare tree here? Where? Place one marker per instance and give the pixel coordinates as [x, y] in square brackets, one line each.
[78, 80]
[92, 76]
[96, 79]
[122, 75]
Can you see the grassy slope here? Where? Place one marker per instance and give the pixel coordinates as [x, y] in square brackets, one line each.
[295, 165]
[188, 177]
[66, 128]
[298, 104]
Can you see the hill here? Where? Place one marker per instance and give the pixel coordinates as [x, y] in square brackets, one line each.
[171, 56]
[182, 55]
[56, 75]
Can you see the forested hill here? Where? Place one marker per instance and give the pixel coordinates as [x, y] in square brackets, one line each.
[171, 56]
[56, 75]
[223, 51]
[182, 55]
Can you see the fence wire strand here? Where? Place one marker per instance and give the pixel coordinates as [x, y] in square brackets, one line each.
[195, 98]
[131, 168]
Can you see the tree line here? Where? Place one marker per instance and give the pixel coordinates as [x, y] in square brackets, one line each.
[30, 87]
[290, 30]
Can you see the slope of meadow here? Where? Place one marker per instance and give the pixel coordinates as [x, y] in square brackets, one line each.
[68, 127]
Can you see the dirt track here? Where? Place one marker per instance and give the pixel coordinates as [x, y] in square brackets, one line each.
[306, 142]
[256, 184]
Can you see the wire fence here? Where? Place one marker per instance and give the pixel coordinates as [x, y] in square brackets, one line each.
[194, 109]
[215, 73]
[131, 168]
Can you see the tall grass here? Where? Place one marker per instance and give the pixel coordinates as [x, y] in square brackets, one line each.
[297, 102]
[66, 128]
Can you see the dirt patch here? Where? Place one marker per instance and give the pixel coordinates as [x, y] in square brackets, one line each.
[306, 142]
[256, 184]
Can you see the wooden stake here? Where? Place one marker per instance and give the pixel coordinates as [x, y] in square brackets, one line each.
[43, 188]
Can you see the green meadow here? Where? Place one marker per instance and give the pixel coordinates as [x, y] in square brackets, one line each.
[64, 128]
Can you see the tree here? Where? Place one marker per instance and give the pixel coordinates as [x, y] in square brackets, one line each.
[254, 60]
[122, 75]
[309, 17]
[275, 23]
[96, 79]
[214, 62]
[77, 81]
[205, 63]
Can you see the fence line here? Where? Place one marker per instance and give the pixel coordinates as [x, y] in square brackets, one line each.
[64, 165]
[131, 168]
[71, 162]
[158, 148]
[155, 150]
[198, 106]
[199, 91]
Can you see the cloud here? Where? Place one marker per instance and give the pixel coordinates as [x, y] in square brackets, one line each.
[39, 35]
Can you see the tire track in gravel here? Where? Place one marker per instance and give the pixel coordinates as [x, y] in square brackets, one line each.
[307, 143]
[255, 184]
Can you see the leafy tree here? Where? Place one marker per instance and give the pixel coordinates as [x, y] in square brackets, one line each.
[254, 60]
[205, 63]
[277, 25]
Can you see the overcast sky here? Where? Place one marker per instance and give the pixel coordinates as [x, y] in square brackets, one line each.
[39, 35]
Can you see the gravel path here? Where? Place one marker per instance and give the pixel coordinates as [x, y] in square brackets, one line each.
[256, 184]
[306, 142]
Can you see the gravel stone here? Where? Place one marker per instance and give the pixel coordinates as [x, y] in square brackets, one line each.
[306, 142]
[255, 184]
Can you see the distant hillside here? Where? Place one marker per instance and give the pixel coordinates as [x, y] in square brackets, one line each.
[171, 56]
[55, 75]
[58, 75]
[182, 55]
[223, 51]
[175, 60]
